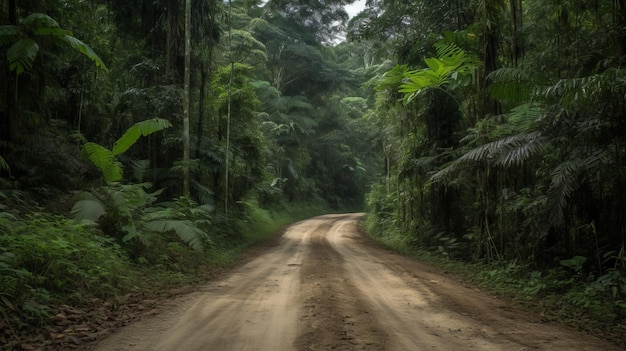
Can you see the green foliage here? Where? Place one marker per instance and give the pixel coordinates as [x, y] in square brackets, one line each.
[137, 130]
[129, 213]
[106, 161]
[24, 49]
[452, 67]
[47, 259]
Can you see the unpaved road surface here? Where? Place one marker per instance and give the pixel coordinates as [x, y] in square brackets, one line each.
[325, 287]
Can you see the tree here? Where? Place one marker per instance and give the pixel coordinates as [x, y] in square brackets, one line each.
[186, 98]
[24, 43]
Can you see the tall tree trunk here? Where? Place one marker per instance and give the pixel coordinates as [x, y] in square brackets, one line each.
[186, 98]
[173, 35]
[203, 84]
[491, 41]
[230, 90]
[516, 23]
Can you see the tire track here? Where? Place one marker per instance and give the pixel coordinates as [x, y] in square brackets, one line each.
[332, 317]
[326, 287]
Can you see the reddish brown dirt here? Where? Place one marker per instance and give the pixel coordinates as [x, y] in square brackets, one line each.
[325, 287]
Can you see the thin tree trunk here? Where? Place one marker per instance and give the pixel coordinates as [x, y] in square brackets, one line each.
[203, 80]
[186, 98]
[230, 87]
[516, 18]
[171, 52]
[491, 106]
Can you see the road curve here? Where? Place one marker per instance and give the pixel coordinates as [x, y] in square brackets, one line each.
[326, 287]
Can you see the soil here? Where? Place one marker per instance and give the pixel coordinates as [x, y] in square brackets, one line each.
[323, 286]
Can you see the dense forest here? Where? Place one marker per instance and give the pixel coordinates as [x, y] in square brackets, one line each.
[144, 141]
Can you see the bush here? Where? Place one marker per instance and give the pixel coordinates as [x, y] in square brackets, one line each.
[46, 258]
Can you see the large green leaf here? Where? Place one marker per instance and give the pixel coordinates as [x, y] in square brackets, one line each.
[105, 160]
[186, 231]
[22, 54]
[139, 129]
[34, 21]
[85, 50]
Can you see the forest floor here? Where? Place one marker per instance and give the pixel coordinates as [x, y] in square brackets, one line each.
[322, 285]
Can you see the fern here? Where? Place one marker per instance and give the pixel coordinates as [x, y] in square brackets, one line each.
[452, 65]
[519, 149]
[561, 189]
[105, 161]
[504, 152]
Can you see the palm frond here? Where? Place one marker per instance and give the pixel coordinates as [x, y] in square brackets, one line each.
[585, 89]
[519, 148]
[562, 186]
[186, 231]
[85, 50]
[512, 85]
[505, 152]
[139, 129]
[446, 174]
[523, 117]
[205, 194]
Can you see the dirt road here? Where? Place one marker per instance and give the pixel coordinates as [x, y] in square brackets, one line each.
[325, 287]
